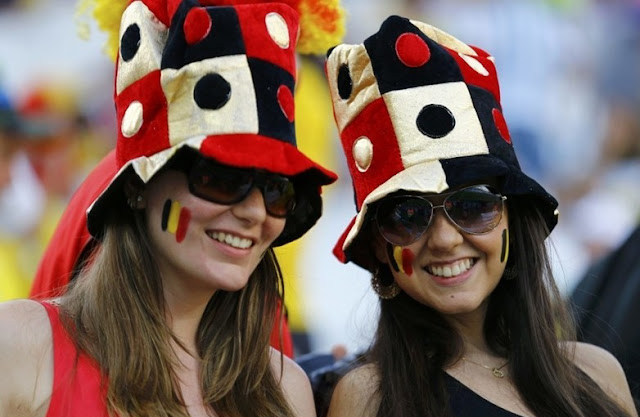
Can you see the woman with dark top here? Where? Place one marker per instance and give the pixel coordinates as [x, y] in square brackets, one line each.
[471, 321]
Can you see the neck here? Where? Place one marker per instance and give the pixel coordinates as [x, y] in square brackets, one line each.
[184, 313]
[470, 327]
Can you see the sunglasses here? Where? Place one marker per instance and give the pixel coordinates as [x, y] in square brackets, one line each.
[227, 185]
[402, 219]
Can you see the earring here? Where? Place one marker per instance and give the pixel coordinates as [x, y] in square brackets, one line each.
[386, 292]
[135, 202]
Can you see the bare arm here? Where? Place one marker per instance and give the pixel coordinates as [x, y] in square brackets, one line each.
[607, 372]
[26, 359]
[294, 384]
[355, 394]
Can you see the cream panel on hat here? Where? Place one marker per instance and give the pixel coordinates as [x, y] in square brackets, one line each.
[443, 38]
[364, 88]
[142, 39]
[406, 108]
[239, 114]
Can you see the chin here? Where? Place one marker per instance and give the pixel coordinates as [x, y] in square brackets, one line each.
[229, 279]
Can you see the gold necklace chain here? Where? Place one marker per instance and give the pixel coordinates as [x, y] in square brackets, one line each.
[496, 371]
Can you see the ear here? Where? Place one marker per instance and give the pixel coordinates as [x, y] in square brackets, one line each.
[379, 245]
[134, 191]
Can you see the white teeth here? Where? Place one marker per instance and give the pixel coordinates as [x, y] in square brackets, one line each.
[231, 240]
[451, 270]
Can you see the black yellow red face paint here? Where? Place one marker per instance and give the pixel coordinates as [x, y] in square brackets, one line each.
[401, 259]
[504, 255]
[175, 219]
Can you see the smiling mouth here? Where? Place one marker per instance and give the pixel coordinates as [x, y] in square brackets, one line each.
[451, 270]
[231, 240]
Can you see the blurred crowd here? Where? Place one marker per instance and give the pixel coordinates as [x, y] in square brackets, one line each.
[569, 73]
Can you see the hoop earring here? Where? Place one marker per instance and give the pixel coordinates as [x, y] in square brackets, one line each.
[386, 292]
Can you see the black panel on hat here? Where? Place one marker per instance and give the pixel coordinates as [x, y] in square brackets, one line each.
[435, 121]
[224, 25]
[392, 74]
[267, 79]
[484, 103]
[130, 42]
[345, 83]
[212, 92]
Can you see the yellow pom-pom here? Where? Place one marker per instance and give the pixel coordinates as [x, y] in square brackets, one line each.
[107, 14]
[322, 25]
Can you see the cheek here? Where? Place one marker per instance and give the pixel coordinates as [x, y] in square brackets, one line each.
[175, 219]
[401, 259]
[273, 228]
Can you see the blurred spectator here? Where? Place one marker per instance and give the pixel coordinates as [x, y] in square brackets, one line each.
[606, 205]
[21, 203]
[606, 217]
[607, 309]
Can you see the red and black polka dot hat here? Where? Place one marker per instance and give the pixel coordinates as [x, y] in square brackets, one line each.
[218, 80]
[419, 110]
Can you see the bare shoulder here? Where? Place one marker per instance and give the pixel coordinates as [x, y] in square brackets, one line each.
[26, 358]
[605, 370]
[294, 383]
[355, 393]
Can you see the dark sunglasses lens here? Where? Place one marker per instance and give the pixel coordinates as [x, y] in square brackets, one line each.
[219, 184]
[403, 220]
[475, 209]
[279, 196]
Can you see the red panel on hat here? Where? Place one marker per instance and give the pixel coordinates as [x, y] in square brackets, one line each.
[163, 9]
[260, 43]
[374, 123]
[471, 75]
[153, 135]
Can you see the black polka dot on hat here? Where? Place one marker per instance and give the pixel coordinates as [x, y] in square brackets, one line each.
[130, 42]
[345, 84]
[435, 121]
[212, 92]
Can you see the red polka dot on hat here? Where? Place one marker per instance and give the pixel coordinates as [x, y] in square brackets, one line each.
[412, 50]
[197, 25]
[285, 99]
[501, 125]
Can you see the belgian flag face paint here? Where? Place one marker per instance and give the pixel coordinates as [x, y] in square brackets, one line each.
[175, 219]
[504, 255]
[401, 259]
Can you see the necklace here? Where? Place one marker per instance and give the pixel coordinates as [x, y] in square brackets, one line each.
[496, 371]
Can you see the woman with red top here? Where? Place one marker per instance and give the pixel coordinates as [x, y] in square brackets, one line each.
[173, 314]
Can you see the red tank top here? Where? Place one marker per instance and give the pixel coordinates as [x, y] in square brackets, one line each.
[77, 390]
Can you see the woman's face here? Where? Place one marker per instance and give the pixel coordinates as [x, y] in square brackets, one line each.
[450, 270]
[203, 245]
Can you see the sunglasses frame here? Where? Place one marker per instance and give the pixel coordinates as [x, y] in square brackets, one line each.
[503, 198]
[259, 179]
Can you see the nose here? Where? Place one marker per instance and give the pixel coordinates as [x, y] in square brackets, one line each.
[442, 235]
[252, 209]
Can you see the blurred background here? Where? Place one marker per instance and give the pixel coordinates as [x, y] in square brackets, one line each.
[569, 73]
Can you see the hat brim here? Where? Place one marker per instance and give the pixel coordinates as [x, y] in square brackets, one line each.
[243, 151]
[436, 177]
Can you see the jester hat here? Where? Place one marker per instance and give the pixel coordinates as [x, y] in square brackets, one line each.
[218, 80]
[419, 110]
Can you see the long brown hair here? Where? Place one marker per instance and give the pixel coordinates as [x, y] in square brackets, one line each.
[526, 320]
[133, 349]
